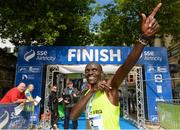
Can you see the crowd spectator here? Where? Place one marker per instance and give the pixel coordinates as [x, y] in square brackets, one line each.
[28, 92]
[15, 95]
[29, 97]
[71, 95]
[53, 106]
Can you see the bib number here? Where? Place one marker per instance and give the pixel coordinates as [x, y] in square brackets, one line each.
[95, 122]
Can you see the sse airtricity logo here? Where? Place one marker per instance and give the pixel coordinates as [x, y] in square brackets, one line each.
[29, 55]
[4, 119]
[39, 55]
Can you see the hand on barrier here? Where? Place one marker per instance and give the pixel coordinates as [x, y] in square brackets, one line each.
[19, 109]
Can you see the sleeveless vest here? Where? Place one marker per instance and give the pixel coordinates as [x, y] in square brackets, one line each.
[103, 115]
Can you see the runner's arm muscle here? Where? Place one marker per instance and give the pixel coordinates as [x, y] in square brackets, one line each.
[80, 106]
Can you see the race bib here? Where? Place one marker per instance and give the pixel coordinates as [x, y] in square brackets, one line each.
[96, 122]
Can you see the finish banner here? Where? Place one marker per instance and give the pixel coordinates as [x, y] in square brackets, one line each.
[84, 54]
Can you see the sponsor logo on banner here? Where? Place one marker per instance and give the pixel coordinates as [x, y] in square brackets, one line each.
[38, 55]
[154, 118]
[29, 55]
[159, 89]
[28, 76]
[24, 77]
[158, 77]
[29, 69]
[162, 69]
[4, 119]
[8, 119]
[33, 69]
[159, 99]
[151, 56]
[151, 69]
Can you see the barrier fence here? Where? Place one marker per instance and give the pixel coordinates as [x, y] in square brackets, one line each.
[169, 114]
[9, 119]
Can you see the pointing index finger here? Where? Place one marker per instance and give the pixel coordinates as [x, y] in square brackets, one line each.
[156, 9]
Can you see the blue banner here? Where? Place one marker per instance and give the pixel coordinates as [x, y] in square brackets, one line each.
[158, 88]
[8, 119]
[31, 75]
[83, 55]
[31, 61]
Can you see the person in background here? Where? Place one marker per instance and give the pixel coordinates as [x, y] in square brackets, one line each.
[121, 102]
[28, 95]
[70, 98]
[53, 106]
[15, 95]
[61, 107]
[101, 101]
[28, 92]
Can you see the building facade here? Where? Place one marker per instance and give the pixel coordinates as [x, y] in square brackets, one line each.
[174, 61]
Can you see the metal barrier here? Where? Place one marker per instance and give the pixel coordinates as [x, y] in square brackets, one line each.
[169, 114]
[9, 120]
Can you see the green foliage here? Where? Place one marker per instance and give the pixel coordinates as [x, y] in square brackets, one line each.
[169, 18]
[121, 25]
[46, 22]
[66, 22]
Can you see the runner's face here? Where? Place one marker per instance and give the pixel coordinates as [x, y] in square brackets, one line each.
[93, 73]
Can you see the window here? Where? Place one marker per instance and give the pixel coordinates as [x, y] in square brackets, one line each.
[130, 78]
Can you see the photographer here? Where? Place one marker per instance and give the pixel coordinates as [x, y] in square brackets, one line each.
[53, 106]
[70, 96]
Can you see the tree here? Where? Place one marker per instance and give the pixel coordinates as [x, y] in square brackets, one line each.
[46, 22]
[120, 25]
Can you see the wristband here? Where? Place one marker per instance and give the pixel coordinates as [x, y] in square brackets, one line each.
[144, 40]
